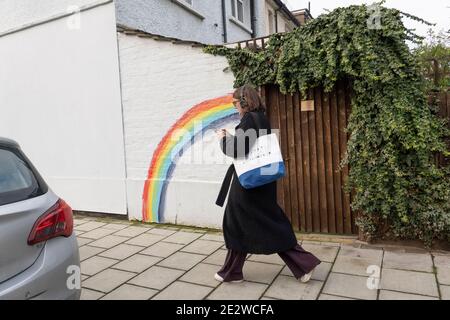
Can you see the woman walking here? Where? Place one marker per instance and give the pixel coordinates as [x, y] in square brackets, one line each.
[253, 222]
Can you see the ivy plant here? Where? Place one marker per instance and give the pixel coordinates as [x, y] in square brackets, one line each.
[393, 133]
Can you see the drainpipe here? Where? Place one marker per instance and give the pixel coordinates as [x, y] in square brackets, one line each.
[252, 18]
[224, 22]
[276, 20]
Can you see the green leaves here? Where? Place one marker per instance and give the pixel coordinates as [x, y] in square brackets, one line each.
[393, 131]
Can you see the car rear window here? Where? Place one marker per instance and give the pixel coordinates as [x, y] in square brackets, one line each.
[17, 180]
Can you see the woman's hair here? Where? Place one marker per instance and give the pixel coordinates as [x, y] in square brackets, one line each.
[249, 97]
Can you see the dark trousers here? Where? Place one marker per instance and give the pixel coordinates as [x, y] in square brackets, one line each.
[299, 261]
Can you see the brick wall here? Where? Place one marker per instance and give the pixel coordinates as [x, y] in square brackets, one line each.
[160, 82]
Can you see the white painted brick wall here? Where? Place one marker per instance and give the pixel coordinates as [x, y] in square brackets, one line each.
[160, 82]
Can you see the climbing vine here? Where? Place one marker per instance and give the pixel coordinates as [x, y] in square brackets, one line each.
[399, 191]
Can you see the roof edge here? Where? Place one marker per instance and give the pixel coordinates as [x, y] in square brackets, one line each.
[288, 12]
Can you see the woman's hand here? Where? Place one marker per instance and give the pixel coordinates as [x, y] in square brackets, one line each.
[221, 133]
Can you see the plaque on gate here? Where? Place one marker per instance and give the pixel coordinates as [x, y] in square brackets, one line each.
[307, 105]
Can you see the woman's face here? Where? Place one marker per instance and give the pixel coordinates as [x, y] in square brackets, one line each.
[237, 105]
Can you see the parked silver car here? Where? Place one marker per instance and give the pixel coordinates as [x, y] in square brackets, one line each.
[39, 256]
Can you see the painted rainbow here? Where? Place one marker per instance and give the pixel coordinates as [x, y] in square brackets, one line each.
[208, 113]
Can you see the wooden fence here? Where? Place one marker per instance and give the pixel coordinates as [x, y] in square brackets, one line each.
[313, 142]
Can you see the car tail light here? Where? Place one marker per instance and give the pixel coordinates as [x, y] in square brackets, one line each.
[56, 222]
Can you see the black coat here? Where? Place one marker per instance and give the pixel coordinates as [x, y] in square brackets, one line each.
[253, 222]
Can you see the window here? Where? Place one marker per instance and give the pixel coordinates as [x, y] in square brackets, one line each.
[237, 9]
[271, 22]
[287, 28]
[17, 180]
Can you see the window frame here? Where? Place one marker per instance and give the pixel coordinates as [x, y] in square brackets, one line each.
[271, 21]
[189, 7]
[235, 10]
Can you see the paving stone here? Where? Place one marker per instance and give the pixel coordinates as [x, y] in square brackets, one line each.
[445, 292]
[82, 241]
[310, 242]
[354, 266]
[443, 275]
[217, 258]
[172, 228]
[329, 243]
[260, 272]
[408, 261]
[267, 298]
[156, 277]
[96, 264]
[183, 291]
[409, 282]
[356, 261]
[393, 295]
[131, 231]
[324, 253]
[202, 274]
[442, 260]
[108, 280]
[78, 233]
[115, 226]
[213, 237]
[121, 252]
[442, 263]
[350, 286]
[182, 260]
[130, 292]
[272, 258]
[238, 291]
[97, 233]
[289, 288]
[84, 277]
[108, 241]
[320, 273]
[330, 297]
[87, 252]
[137, 263]
[193, 230]
[87, 294]
[351, 251]
[202, 247]
[85, 218]
[77, 222]
[161, 232]
[145, 240]
[162, 249]
[182, 237]
[88, 226]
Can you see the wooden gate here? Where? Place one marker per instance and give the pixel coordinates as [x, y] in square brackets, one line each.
[313, 144]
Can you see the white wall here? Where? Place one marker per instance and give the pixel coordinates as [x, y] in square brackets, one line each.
[160, 82]
[282, 20]
[19, 13]
[60, 99]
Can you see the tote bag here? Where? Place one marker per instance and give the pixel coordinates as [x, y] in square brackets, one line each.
[263, 164]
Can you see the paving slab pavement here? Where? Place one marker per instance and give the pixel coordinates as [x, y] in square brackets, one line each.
[124, 260]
